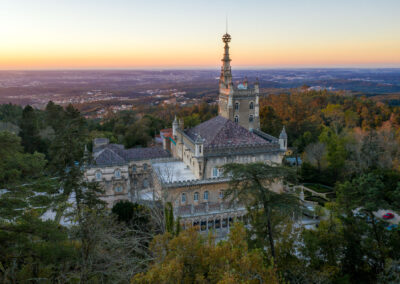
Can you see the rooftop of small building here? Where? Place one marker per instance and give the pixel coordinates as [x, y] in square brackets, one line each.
[173, 171]
[116, 154]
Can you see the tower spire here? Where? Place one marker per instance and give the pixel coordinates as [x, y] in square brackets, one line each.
[226, 24]
[226, 72]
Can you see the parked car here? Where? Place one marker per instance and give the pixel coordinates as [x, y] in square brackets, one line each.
[391, 227]
[388, 216]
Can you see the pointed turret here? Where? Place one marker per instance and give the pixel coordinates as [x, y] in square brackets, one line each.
[283, 139]
[199, 146]
[175, 126]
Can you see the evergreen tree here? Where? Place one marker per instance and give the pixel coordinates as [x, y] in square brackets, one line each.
[253, 184]
[29, 133]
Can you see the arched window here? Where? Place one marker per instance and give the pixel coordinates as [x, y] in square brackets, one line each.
[98, 175]
[196, 196]
[117, 173]
[251, 118]
[145, 167]
[183, 197]
[205, 197]
[236, 106]
[118, 189]
[236, 119]
[221, 194]
[251, 106]
[145, 183]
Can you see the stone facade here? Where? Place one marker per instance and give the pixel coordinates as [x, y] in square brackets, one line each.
[124, 174]
[187, 170]
[238, 103]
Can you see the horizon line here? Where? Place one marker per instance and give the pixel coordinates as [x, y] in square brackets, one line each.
[194, 68]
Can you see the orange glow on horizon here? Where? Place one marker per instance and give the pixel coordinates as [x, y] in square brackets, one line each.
[274, 54]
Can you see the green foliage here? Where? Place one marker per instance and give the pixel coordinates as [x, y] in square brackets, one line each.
[133, 214]
[15, 165]
[10, 113]
[29, 133]
[253, 184]
[192, 120]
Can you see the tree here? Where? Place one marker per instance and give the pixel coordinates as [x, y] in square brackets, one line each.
[30, 243]
[29, 133]
[172, 226]
[254, 184]
[136, 135]
[54, 115]
[336, 151]
[188, 258]
[133, 214]
[315, 154]
[109, 251]
[369, 193]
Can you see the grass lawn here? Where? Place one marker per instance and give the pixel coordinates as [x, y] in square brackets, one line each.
[318, 199]
[319, 187]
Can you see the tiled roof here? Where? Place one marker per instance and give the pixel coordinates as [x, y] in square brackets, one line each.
[146, 153]
[220, 132]
[113, 154]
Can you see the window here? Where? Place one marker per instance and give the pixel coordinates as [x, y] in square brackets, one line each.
[236, 119]
[144, 166]
[236, 106]
[205, 195]
[251, 106]
[196, 196]
[98, 175]
[215, 172]
[118, 189]
[145, 183]
[183, 197]
[251, 118]
[117, 173]
[221, 194]
[135, 182]
[134, 169]
[200, 149]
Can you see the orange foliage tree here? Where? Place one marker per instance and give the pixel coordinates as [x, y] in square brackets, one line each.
[190, 258]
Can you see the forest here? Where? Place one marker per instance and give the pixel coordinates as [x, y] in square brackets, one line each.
[347, 144]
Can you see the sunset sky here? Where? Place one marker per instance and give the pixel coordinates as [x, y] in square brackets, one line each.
[85, 34]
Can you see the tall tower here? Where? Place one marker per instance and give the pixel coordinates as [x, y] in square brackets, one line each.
[225, 103]
[237, 103]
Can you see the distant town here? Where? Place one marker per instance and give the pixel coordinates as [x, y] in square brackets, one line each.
[97, 93]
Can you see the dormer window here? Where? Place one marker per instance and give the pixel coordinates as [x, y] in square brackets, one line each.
[118, 189]
[236, 119]
[98, 175]
[251, 118]
[216, 172]
[117, 173]
[145, 167]
[236, 106]
[251, 106]
[200, 149]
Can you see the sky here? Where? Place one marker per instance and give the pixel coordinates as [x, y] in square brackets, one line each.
[119, 34]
